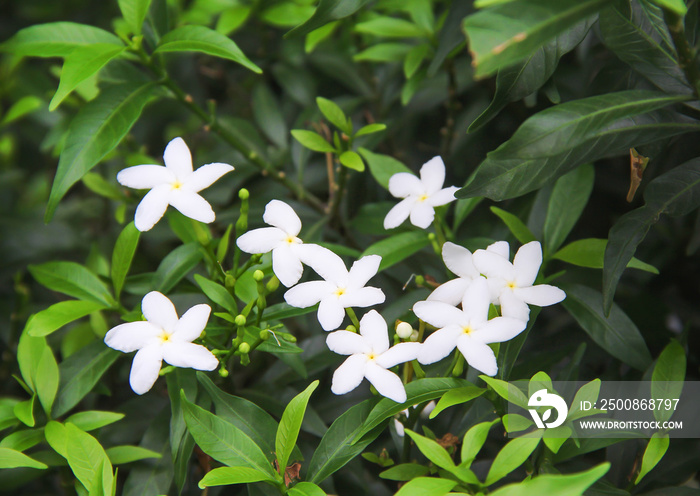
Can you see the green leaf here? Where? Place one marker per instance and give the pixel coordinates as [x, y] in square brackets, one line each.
[556, 140]
[515, 225]
[336, 447]
[668, 376]
[507, 33]
[654, 452]
[46, 379]
[414, 58]
[176, 265]
[204, 40]
[134, 13]
[512, 455]
[312, 141]
[57, 437]
[515, 82]
[561, 485]
[56, 39]
[474, 439]
[123, 254]
[327, 11]
[616, 334]
[120, 455]
[97, 129]
[369, 129]
[432, 450]
[507, 391]
[590, 252]
[217, 293]
[405, 472]
[334, 114]
[268, 115]
[383, 52]
[85, 455]
[636, 32]
[352, 160]
[290, 423]
[223, 441]
[59, 314]
[398, 247]
[456, 397]
[23, 106]
[588, 392]
[383, 167]
[418, 391]
[389, 27]
[426, 486]
[224, 476]
[24, 411]
[676, 193]
[93, 419]
[10, 458]
[74, 280]
[677, 6]
[318, 35]
[306, 489]
[81, 64]
[80, 372]
[513, 422]
[569, 197]
[97, 184]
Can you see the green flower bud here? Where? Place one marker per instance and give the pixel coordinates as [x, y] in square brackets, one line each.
[240, 320]
[258, 275]
[229, 281]
[273, 284]
[243, 194]
[420, 281]
[265, 334]
[223, 372]
[244, 348]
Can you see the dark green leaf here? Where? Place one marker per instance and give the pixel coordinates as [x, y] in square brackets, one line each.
[217, 293]
[383, 167]
[389, 27]
[97, 129]
[616, 334]
[204, 40]
[290, 423]
[176, 265]
[10, 458]
[56, 39]
[268, 115]
[569, 197]
[398, 247]
[74, 280]
[556, 140]
[508, 33]
[668, 376]
[123, 254]
[224, 476]
[515, 225]
[20, 108]
[327, 11]
[312, 141]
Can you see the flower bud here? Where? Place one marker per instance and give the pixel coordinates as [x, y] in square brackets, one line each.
[243, 194]
[351, 328]
[240, 320]
[229, 281]
[414, 336]
[273, 284]
[258, 275]
[404, 330]
[420, 281]
[264, 334]
[244, 348]
[223, 372]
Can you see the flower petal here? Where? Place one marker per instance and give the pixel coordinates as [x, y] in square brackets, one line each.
[442, 197]
[541, 295]
[459, 260]
[386, 383]
[493, 265]
[307, 294]
[363, 270]
[207, 175]
[261, 240]
[330, 313]
[439, 344]
[145, 368]
[432, 175]
[363, 297]
[399, 213]
[422, 215]
[189, 355]
[286, 265]
[192, 323]
[405, 184]
[349, 375]
[500, 248]
[512, 306]
[178, 159]
[439, 314]
[451, 292]
[192, 205]
[279, 214]
[347, 343]
[527, 263]
[131, 336]
[324, 262]
[145, 176]
[399, 353]
[152, 208]
[159, 311]
[478, 355]
[374, 329]
[499, 330]
[477, 299]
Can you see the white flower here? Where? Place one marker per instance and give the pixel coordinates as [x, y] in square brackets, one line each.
[287, 249]
[467, 329]
[459, 261]
[421, 196]
[340, 289]
[511, 283]
[175, 184]
[162, 336]
[370, 357]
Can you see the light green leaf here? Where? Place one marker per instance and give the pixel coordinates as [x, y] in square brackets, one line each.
[561, 485]
[93, 419]
[369, 129]
[474, 440]
[10, 458]
[290, 423]
[507, 391]
[654, 452]
[97, 184]
[82, 63]
[569, 197]
[590, 252]
[383, 52]
[57, 437]
[327, 11]
[554, 438]
[667, 377]
[677, 6]
[20, 108]
[306, 489]
[334, 114]
[398, 247]
[176, 265]
[312, 141]
[587, 392]
[456, 397]
[224, 476]
[318, 35]
[513, 422]
[405, 472]
[74, 280]
[120, 455]
[59, 314]
[514, 225]
[352, 160]
[383, 167]
[426, 486]
[204, 40]
[123, 254]
[432, 451]
[414, 59]
[134, 13]
[217, 293]
[507, 33]
[23, 440]
[24, 411]
[46, 379]
[512, 455]
[389, 27]
[85, 455]
[56, 39]
[97, 129]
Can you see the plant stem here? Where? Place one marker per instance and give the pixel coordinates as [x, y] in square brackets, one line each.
[686, 54]
[353, 318]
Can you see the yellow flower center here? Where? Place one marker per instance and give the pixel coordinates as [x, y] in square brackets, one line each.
[511, 285]
[290, 240]
[176, 185]
[467, 330]
[164, 337]
[371, 356]
[422, 198]
[340, 292]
